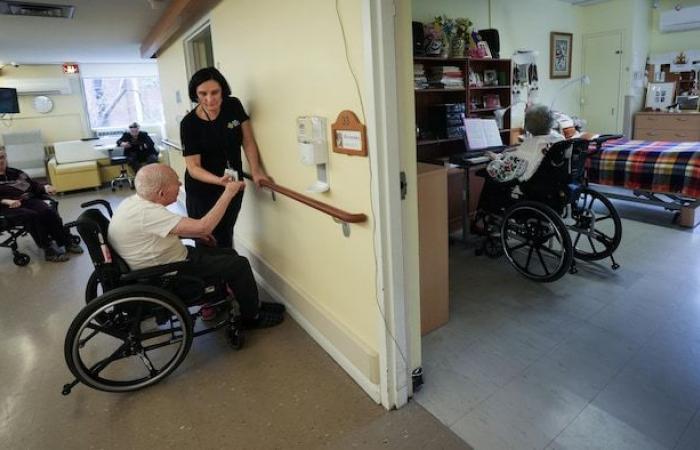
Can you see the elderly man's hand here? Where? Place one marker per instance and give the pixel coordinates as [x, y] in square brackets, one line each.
[125, 144]
[208, 240]
[235, 186]
[12, 203]
[49, 189]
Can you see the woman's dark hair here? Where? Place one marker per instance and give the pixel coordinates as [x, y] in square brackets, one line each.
[206, 74]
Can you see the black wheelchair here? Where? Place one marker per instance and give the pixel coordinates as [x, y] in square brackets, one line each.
[137, 326]
[11, 230]
[547, 222]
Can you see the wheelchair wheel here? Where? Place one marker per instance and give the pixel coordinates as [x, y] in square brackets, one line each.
[597, 229]
[128, 338]
[93, 288]
[74, 239]
[21, 259]
[536, 241]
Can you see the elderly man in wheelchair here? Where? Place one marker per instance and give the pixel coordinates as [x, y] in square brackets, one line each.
[536, 206]
[26, 208]
[148, 289]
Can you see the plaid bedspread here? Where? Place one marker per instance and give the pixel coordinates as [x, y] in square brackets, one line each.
[662, 167]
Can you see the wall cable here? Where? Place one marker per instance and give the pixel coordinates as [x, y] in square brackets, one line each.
[371, 176]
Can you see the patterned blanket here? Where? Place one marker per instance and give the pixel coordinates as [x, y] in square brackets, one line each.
[661, 167]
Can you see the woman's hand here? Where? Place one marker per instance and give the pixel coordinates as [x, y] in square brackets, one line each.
[49, 189]
[223, 181]
[12, 203]
[260, 176]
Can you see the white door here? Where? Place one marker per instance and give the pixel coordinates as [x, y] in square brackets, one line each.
[600, 100]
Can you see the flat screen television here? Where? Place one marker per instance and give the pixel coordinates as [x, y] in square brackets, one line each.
[8, 101]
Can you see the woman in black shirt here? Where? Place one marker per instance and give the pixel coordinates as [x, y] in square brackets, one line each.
[212, 135]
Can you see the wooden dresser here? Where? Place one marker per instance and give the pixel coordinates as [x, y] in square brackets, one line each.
[677, 127]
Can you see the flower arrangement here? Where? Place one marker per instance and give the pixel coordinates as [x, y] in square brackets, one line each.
[462, 25]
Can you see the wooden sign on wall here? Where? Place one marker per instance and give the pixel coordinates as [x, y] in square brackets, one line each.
[349, 135]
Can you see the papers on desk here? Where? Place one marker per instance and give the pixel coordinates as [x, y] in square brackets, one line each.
[482, 133]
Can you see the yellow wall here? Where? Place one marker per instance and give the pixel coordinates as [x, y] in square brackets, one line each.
[669, 42]
[283, 60]
[66, 120]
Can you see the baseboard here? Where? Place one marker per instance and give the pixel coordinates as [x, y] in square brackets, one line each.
[355, 357]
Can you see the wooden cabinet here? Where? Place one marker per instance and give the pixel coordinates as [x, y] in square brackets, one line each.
[676, 127]
[433, 246]
[435, 142]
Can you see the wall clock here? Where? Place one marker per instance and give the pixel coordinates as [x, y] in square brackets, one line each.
[42, 104]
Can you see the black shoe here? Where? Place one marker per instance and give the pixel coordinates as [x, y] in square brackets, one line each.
[265, 319]
[272, 307]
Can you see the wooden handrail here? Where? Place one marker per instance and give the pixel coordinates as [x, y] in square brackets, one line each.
[332, 211]
[171, 144]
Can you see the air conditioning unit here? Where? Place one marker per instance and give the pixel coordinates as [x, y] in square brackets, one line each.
[38, 86]
[680, 20]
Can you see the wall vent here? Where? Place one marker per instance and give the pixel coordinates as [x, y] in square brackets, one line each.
[14, 8]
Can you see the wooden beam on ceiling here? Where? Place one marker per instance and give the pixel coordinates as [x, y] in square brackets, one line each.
[176, 19]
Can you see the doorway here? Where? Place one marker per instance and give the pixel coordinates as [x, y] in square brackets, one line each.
[199, 51]
[602, 62]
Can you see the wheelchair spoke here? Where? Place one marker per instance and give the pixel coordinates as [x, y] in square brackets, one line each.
[136, 320]
[578, 236]
[600, 219]
[162, 344]
[148, 363]
[518, 247]
[550, 251]
[592, 244]
[529, 257]
[102, 365]
[544, 266]
[108, 331]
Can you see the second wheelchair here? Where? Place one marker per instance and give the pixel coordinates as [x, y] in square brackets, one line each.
[547, 222]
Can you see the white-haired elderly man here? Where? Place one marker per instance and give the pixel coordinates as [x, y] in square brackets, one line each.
[145, 233]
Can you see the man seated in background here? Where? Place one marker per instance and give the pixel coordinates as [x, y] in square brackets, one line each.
[22, 204]
[146, 234]
[138, 146]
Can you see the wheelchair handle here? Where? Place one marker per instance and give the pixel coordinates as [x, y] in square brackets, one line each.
[104, 203]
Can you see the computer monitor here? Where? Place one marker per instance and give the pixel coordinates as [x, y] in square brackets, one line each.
[8, 101]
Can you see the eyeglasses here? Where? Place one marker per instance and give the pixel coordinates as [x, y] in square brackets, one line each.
[133, 128]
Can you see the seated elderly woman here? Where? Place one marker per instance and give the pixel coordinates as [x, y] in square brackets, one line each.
[21, 203]
[508, 169]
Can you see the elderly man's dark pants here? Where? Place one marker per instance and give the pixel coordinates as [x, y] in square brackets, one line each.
[42, 222]
[226, 263]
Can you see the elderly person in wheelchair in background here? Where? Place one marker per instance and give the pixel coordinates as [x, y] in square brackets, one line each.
[23, 203]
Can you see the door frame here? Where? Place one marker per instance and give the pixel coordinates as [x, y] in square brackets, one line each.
[381, 94]
[620, 98]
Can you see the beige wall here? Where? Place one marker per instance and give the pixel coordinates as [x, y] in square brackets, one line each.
[283, 60]
[67, 119]
[669, 42]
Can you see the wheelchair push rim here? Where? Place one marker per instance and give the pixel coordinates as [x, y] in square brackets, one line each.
[130, 350]
[596, 231]
[536, 241]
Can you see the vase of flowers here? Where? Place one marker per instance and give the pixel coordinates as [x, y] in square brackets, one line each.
[433, 40]
[460, 37]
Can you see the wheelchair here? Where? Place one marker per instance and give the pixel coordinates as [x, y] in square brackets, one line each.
[543, 225]
[137, 326]
[11, 231]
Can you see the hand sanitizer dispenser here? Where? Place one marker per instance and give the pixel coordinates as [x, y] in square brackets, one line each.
[313, 149]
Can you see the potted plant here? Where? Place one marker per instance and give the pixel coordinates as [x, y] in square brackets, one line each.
[460, 37]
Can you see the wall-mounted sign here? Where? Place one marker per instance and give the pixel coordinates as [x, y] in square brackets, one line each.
[349, 135]
[70, 68]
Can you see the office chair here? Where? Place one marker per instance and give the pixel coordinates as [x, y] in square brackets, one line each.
[116, 156]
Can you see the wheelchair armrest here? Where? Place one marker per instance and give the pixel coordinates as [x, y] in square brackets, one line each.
[104, 203]
[601, 139]
[153, 272]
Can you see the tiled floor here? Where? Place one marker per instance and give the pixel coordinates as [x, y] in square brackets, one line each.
[596, 360]
[281, 391]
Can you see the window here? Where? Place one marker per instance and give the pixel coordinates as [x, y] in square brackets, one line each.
[116, 102]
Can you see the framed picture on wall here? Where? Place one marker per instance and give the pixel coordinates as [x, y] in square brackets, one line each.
[560, 54]
[660, 95]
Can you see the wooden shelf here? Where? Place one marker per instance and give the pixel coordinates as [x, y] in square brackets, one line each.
[419, 91]
[437, 59]
[484, 88]
[478, 110]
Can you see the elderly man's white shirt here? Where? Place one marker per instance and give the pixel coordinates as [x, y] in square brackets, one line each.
[140, 233]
